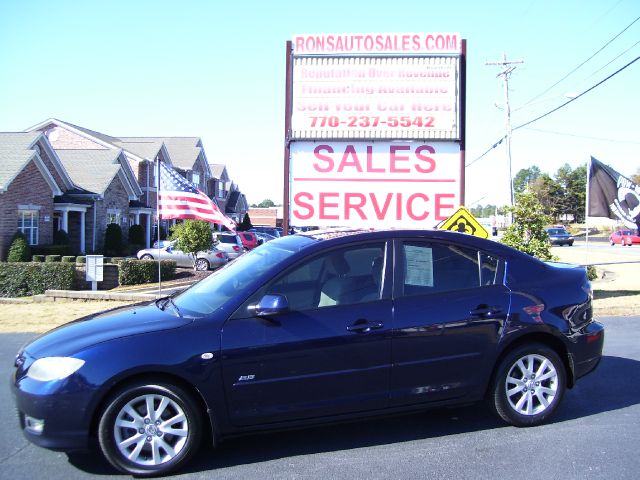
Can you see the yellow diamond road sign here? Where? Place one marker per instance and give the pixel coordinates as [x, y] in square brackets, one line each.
[463, 221]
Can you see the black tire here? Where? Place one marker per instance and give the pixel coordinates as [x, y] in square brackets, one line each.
[146, 256]
[159, 441]
[202, 264]
[517, 396]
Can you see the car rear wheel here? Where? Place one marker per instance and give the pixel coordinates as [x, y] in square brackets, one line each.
[146, 256]
[202, 264]
[528, 385]
[149, 429]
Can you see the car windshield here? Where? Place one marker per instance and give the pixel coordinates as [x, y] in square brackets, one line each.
[556, 231]
[213, 292]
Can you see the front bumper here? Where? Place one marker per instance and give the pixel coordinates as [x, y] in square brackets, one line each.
[58, 409]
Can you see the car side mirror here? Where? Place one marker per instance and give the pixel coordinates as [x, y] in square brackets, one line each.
[271, 305]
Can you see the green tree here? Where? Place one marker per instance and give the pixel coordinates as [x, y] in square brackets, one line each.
[573, 184]
[19, 250]
[527, 233]
[524, 178]
[113, 239]
[192, 236]
[245, 224]
[548, 193]
[266, 203]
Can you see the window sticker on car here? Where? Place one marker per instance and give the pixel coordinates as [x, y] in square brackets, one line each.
[419, 262]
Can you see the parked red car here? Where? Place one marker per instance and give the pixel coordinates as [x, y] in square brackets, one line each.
[249, 240]
[624, 237]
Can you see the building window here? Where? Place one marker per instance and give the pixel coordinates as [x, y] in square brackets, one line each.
[195, 178]
[28, 224]
[221, 192]
[113, 216]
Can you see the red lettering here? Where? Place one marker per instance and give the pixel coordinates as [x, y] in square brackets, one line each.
[399, 207]
[441, 206]
[324, 158]
[298, 200]
[430, 161]
[397, 158]
[410, 211]
[348, 205]
[350, 152]
[370, 167]
[323, 204]
[380, 214]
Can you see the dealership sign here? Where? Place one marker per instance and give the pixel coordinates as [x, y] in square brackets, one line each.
[374, 130]
[399, 184]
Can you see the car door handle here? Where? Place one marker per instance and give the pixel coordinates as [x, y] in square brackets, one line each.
[363, 326]
[485, 311]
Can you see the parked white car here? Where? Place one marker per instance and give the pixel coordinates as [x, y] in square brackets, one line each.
[212, 258]
[229, 243]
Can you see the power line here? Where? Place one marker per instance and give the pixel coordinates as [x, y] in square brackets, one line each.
[576, 68]
[578, 96]
[566, 134]
[551, 111]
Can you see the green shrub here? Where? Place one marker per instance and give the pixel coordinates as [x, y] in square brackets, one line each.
[19, 250]
[81, 259]
[592, 273]
[135, 272]
[136, 235]
[69, 259]
[60, 237]
[117, 260]
[52, 250]
[37, 258]
[52, 258]
[31, 278]
[113, 239]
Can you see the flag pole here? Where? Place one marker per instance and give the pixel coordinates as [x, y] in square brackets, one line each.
[586, 212]
[158, 220]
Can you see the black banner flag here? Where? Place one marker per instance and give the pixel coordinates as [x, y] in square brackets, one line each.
[613, 195]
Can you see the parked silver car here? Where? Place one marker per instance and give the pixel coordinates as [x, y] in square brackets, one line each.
[212, 258]
[229, 243]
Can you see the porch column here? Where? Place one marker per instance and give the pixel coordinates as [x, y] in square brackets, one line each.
[136, 218]
[65, 220]
[82, 232]
[148, 230]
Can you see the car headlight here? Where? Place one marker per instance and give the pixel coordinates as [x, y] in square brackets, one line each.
[53, 368]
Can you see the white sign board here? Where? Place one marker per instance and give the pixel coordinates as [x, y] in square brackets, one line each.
[374, 184]
[381, 98]
[94, 266]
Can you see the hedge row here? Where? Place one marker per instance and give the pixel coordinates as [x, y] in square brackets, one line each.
[135, 272]
[32, 278]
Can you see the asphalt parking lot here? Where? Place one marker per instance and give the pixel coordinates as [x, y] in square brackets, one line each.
[594, 435]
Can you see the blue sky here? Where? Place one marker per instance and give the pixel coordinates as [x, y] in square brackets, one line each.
[217, 70]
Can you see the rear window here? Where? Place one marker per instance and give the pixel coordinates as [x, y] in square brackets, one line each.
[227, 239]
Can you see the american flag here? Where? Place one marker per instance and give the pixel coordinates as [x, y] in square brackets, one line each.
[179, 198]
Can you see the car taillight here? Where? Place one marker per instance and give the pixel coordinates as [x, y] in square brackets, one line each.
[236, 248]
[220, 255]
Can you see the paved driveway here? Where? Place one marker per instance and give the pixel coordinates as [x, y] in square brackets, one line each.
[595, 435]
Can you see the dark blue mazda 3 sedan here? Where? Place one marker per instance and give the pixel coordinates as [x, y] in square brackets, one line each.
[312, 328]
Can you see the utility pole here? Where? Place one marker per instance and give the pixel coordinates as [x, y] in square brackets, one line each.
[507, 68]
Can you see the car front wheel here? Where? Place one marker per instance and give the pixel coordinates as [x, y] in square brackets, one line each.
[146, 256]
[149, 429]
[528, 386]
[202, 264]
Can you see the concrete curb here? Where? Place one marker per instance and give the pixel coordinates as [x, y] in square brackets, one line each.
[100, 295]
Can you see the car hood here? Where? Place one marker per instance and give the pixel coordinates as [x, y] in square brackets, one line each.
[123, 322]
